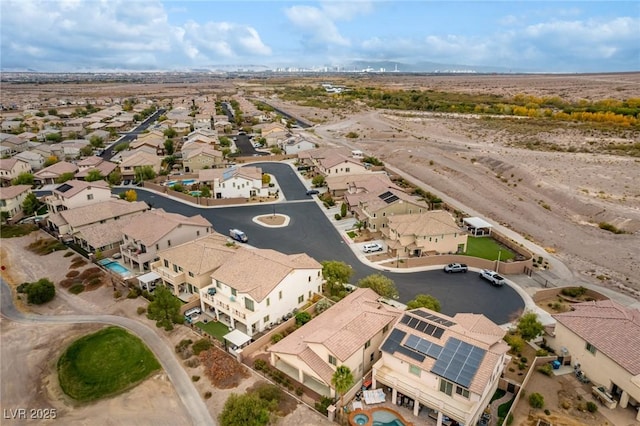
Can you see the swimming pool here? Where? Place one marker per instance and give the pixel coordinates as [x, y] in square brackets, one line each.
[189, 181]
[115, 266]
[170, 183]
[377, 417]
[195, 193]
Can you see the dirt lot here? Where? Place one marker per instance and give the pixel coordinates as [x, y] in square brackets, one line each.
[554, 198]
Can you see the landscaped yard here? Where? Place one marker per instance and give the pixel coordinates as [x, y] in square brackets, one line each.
[214, 328]
[104, 363]
[487, 248]
[10, 231]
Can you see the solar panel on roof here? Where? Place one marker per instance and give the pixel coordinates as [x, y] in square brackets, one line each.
[405, 319]
[434, 318]
[391, 199]
[411, 354]
[385, 195]
[393, 342]
[64, 187]
[438, 332]
[423, 346]
[458, 362]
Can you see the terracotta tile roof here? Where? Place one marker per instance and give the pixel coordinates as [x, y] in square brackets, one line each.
[205, 150]
[434, 222]
[141, 158]
[55, 170]
[102, 234]
[334, 158]
[104, 210]
[8, 163]
[91, 161]
[200, 256]
[151, 226]
[258, 272]
[105, 168]
[372, 202]
[344, 327]
[78, 186]
[612, 328]
[9, 192]
[474, 329]
[317, 364]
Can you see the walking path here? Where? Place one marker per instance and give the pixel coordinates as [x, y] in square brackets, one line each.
[497, 403]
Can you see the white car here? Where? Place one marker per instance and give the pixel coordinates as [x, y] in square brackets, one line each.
[493, 277]
[372, 247]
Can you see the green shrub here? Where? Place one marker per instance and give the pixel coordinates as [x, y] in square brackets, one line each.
[133, 294]
[299, 391]
[207, 395]
[195, 378]
[141, 310]
[573, 291]
[509, 419]
[547, 411]
[201, 346]
[337, 216]
[536, 400]
[524, 359]
[302, 318]
[276, 338]
[76, 289]
[546, 369]
[592, 407]
[41, 291]
[323, 404]
[260, 364]
[117, 294]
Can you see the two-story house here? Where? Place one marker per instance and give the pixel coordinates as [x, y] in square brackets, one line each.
[348, 333]
[295, 145]
[375, 208]
[50, 174]
[255, 288]
[140, 158]
[94, 163]
[11, 199]
[157, 230]
[186, 268]
[10, 168]
[202, 157]
[338, 164]
[338, 185]
[77, 193]
[603, 339]
[431, 232]
[449, 366]
[35, 160]
[234, 182]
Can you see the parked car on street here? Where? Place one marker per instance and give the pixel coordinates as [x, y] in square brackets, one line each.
[492, 277]
[312, 192]
[372, 247]
[456, 267]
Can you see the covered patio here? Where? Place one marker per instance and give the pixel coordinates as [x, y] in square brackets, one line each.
[149, 281]
[477, 226]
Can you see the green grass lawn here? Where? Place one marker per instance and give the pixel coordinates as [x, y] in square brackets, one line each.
[487, 248]
[214, 328]
[351, 234]
[104, 363]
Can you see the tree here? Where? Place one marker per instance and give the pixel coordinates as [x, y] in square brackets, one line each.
[169, 147]
[121, 146]
[205, 191]
[266, 179]
[53, 137]
[115, 177]
[131, 195]
[165, 309]
[30, 204]
[302, 318]
[529, 327]
[41, 291]
[424, 301]
[245, 410]
[52, 111]
[276, 150]
[536, 400]
[359, 225]
[24, 178]
[224, 141]
[65, 177]
[86, 151]
[50, 161]
[317, 181]
[96, 141]
[382, 285]
[342, 380]
[335, 274]
[170, 133]
[94, 175]
[144, 173]
[343, 210]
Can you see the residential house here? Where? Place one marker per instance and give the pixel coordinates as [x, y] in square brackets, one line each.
[253, 289]
[375, 208]
[603, 339]
[10, 126]
[338, 185]
[11, 199]
[51, 173]
[295, 145]
[138, 159]
[204, 157]
[154, 139]
[95, 163]
[11, 168]
[274, 133]
[450, 366]
[35, 160]
[15, 143]
[186, 268]
[72, 223]
[338, 164]
[430, 232]
[234, 182]
[69, 149]
[348, 333]
[157, 230]
[77, 193]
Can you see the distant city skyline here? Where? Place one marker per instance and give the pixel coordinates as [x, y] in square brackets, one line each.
[154, 35]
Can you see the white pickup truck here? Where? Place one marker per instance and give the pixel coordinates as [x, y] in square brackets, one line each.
[456, 267]
[492, 277]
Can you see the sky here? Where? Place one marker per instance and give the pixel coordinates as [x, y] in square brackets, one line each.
[142, 35]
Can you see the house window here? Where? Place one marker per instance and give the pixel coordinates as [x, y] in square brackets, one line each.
[591, 348]
[366, 345]
[268, 302]
[191, 274]
[168, 243]
[446, 387]
[89, 196]
[371, 357]
[385, 328]
[175, 268]
[348, 169]
[234, 292]
[157, 246]
[462, 391]
[301, 299]
[280, 295]
[166, 263]
[218, 284]
[197, 233]
[332, 360]
[265, 319]
[414, 370]
[248, 303]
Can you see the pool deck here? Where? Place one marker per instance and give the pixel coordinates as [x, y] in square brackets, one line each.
[404, 413]
[369, 414]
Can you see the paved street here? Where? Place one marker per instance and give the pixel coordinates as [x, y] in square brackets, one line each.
[311, 232]
[109, 152]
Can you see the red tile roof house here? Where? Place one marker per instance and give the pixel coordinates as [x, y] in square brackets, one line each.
[603, 337]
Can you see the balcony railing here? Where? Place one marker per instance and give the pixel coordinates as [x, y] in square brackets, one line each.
[170, 275]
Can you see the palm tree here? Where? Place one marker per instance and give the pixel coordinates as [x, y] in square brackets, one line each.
[342, 380]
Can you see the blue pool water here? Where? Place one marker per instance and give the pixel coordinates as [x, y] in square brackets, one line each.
[114, 266]
[170, 183]
[189, 181]
[361, 419]
[195, 193]
[386, 418]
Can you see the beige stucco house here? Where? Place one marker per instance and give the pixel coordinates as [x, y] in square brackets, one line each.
[603, 338]
[349, 333]
[431, 232]
[140, 158]
[77, 193]
[10, 168]
[157, 230]
[450, 366]
[203, 157]
[11, 199]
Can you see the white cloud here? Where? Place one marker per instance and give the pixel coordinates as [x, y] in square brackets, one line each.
[317, 25]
